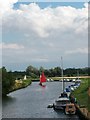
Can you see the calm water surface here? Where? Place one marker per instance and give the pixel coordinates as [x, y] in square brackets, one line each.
[32, 102]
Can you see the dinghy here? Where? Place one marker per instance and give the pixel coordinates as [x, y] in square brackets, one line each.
[42, 80]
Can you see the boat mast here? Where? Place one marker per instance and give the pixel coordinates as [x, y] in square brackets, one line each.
[77, 74]
[62, 74]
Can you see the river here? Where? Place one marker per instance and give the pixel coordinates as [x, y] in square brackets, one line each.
[32, 102]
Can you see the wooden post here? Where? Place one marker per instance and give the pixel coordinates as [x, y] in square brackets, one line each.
[88, 115]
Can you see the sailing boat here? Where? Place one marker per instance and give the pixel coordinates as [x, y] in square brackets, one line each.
[63, 94]
[63, 99]
[42, 80]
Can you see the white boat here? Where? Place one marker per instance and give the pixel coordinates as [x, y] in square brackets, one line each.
[51, 80]
[48, 80]
[73, 80]
[60, 103]
[72, 88]
[78, 80]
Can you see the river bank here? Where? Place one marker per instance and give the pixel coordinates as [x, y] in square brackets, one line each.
[82, 96]
[19, 84]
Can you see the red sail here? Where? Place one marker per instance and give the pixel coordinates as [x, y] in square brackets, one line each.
[42, 78]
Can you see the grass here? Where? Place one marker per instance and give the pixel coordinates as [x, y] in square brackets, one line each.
[21, 84]
[81, 93]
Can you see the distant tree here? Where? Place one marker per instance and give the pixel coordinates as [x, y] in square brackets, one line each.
[54, 72]
[7, 81]
[51, 72]
[89, 71]
[47, 73]
[75, 72]
[41, 69]
[70, 71]
[57, 71]
[19, 74]
[32, 71]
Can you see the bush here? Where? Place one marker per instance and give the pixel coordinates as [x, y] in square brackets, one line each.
[7, 81]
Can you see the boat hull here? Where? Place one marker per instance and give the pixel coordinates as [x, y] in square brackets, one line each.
[61, 107]
[42, 84]
[70, 113]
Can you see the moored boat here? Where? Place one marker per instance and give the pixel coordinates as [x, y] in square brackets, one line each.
[68, 91]
[63, 99]
[60, 103]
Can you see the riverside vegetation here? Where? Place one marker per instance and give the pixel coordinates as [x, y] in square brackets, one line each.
[9, 83]
[81, 93]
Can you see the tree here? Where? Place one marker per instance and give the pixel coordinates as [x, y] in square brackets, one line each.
[57, 71]
[7, 81]
[0, 76]
[41, 69]
[32, 71]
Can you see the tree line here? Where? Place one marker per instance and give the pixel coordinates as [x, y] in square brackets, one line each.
[34, 72]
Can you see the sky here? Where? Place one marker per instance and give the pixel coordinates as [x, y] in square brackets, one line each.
[38, 34]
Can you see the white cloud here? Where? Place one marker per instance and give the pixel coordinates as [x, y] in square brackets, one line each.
[6, 5]
[78, 50]
[46, 33]
[11, 46]
[45, 21]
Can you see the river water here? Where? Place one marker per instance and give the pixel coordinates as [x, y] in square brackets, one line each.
[32, 102]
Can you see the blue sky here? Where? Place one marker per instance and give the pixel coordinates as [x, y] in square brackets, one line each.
[39, 34]
[52, 4]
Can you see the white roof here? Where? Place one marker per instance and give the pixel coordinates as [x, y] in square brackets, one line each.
[62, 99]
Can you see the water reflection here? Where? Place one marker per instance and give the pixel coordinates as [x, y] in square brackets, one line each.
[7, 100]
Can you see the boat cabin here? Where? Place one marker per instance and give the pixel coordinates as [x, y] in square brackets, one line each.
[60, 103]
[64, 94]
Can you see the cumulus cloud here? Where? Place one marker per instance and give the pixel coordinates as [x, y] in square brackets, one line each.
[6, 5]
[45, 33]
[45, 21]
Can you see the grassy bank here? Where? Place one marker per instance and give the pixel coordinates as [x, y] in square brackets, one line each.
[81, 93]
[19, 84]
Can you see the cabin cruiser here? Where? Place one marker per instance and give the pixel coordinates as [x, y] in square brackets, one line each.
[61, 102]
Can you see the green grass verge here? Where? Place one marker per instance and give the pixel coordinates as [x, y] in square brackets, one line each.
[81, 93]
